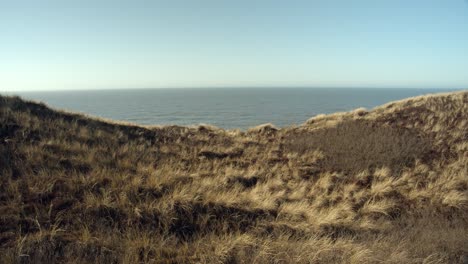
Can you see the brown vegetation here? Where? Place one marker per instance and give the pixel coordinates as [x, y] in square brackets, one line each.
[385, 186]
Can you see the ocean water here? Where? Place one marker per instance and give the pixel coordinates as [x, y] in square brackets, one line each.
[224, 107]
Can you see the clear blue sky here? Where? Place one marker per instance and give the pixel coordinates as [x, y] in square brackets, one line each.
[84, 44]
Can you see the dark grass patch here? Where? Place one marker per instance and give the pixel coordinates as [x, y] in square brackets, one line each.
[190, 219]
[353, 146]
[107, 217]
[220, 155]
[246, 182]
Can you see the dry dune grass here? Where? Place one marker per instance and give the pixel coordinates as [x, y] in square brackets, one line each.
[385, 186]
[354, 145]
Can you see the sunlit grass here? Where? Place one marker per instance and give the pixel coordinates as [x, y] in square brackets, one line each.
[383, 186]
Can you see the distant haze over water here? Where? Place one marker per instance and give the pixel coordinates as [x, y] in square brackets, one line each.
[223, 107]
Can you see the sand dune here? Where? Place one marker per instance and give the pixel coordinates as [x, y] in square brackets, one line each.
[389, 185]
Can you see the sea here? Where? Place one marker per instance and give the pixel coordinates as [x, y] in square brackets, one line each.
[229, 108]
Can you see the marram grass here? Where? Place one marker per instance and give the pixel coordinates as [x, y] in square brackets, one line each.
[388, 185]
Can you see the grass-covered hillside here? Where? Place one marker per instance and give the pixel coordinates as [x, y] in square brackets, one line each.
[385, 186]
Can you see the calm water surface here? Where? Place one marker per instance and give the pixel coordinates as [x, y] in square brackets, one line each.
[226, 108]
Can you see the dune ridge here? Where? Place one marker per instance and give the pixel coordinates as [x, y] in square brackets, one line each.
[388, 185]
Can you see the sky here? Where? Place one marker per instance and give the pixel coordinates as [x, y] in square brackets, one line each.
[68, 45]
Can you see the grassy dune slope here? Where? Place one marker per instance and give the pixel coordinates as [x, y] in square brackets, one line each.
[385, 186]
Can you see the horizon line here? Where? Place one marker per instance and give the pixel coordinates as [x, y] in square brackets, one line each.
[233, 87]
